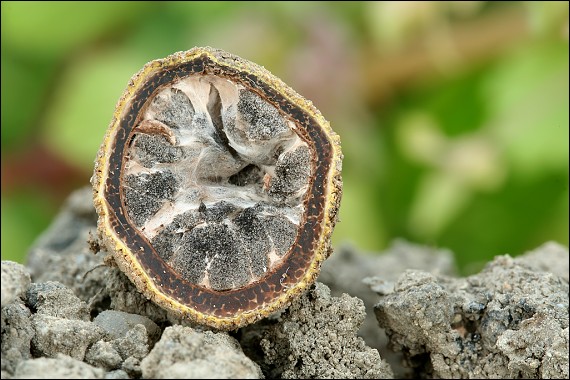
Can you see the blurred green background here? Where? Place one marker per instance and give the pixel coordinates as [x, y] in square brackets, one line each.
[453, 115]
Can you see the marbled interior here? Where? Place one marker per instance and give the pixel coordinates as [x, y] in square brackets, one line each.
[215, 180]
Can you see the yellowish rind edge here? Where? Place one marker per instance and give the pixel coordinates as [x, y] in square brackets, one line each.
[130, 266]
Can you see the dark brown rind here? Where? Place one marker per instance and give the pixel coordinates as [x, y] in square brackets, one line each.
[136, 257]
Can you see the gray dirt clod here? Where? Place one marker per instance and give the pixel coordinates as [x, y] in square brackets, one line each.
[102, 354]
[117, 374]
[60, 367]
[183, 352]
[134, 344]
[549, 257]
[316, 338]
[15, 281]
[55, 335]
[350, 271]
[128, 347]
[507, 321]
[117, 324]
[55, 299]
[132, 367]
[17, 334]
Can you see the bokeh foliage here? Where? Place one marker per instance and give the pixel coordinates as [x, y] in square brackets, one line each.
[453, 115]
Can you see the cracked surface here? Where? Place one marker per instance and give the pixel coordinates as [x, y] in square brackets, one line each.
[215, 180]
[509, 321]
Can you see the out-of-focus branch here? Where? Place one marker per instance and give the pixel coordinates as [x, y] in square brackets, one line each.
[443, 52]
